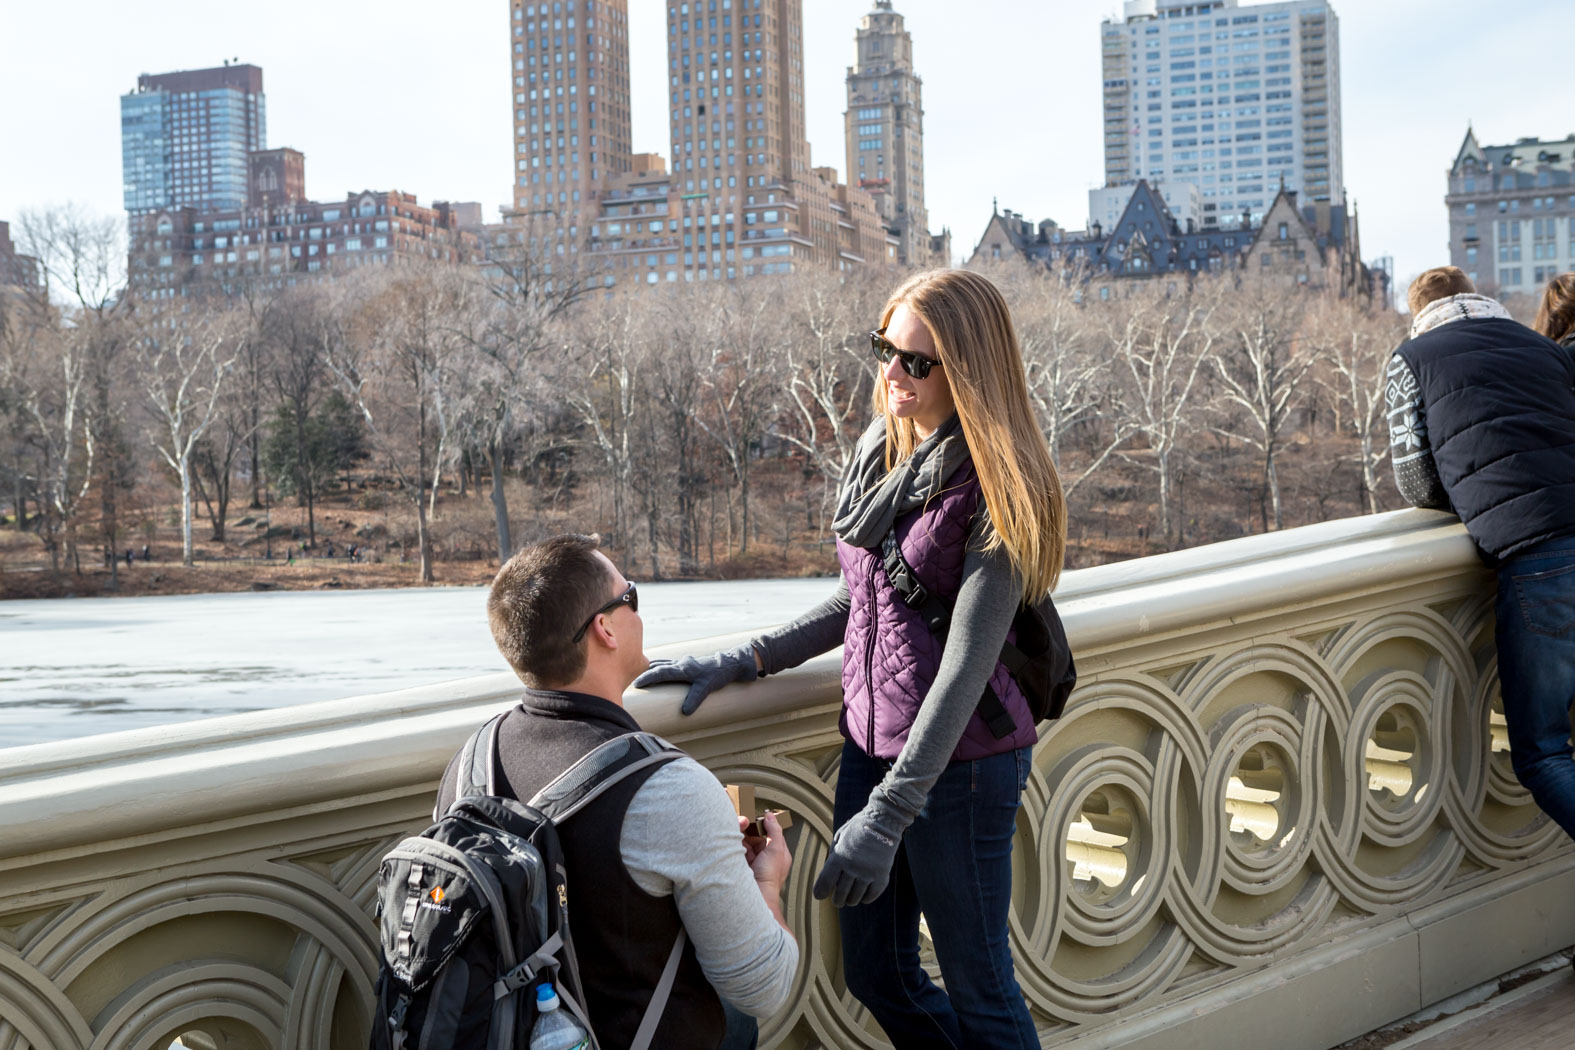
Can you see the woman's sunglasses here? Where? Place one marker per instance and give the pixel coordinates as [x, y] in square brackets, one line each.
[629, 597]
[916, 365]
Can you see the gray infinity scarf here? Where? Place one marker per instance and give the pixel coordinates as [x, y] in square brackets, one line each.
[871, 498]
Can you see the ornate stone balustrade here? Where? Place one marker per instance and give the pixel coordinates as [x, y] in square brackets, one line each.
[1279, 803]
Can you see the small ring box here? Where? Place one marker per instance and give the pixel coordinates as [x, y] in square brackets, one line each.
[743, 799]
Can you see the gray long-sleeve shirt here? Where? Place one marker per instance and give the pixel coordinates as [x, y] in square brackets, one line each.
[987, 601]
[680, 838]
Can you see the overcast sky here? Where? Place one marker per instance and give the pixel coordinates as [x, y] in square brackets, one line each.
[416, 96]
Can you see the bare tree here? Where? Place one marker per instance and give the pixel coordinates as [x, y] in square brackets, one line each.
[1161, 344]
[1355, 341]
[392, 359]
[298, 328]
[44, 373]
[74, 337]
[828, 365]
[514, 316]
[601, 383]
[184, 360]
[1068, 371]
[1261, 360]
[738, 331]
[231, 436]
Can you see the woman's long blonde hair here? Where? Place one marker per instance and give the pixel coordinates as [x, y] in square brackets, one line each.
[977, 347]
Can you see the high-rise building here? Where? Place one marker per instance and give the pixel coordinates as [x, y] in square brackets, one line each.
[741, 196]
[1239, 100]
[1512, 213]
[885, 130]
[571, 103]
[184, 138]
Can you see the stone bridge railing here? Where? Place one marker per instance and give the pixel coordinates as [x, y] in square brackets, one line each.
[1279, 803]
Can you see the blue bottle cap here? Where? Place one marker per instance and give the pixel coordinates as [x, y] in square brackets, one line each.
[545, 992]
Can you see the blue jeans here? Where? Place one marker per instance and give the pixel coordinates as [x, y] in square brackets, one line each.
[955, 866]
[742, 1032]
[1536, 671]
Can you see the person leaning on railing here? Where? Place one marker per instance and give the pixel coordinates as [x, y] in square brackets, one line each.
[955, 476]
[1482, 423]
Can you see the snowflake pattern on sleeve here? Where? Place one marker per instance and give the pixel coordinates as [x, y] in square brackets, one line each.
[1416, 473]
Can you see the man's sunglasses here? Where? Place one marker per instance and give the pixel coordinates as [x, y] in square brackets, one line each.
[629, 597]
[916, 365]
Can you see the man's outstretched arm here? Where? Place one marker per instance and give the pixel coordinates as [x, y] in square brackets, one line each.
[1416, 472]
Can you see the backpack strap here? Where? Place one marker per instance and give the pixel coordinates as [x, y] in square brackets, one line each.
[664, 987]
[936, 613]
[578, 786]
[478, 764]
[606, 764]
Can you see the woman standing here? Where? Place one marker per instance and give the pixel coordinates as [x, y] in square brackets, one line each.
[955, 476]
[1556, 314]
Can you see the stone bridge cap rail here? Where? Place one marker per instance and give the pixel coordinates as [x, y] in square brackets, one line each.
[61, 796]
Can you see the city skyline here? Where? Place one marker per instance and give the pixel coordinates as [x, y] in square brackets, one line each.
[432, 120]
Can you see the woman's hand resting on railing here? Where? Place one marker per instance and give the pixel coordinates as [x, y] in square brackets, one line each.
[705, 674]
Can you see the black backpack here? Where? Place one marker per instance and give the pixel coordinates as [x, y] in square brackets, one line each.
[1040, 661]
[473, 912]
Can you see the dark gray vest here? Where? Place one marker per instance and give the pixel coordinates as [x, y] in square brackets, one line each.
[622, 935]
[1499, 401]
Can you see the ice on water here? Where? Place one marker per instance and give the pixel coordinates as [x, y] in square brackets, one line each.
[74, 667]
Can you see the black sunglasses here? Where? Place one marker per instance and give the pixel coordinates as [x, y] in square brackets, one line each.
[916, 365]
[629, 597]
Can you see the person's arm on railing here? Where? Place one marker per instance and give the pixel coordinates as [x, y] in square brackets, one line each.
[1416, 472]
[818, 631]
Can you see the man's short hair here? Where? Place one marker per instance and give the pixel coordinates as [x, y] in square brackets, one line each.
[539, 599]
[1438, 283]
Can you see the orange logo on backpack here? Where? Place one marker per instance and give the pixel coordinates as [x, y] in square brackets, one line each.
[437, 894]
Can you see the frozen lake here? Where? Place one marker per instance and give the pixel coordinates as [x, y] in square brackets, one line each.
[73, 667]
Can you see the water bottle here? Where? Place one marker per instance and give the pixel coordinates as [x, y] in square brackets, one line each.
[555, 1029]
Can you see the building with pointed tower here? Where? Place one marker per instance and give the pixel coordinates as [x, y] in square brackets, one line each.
[885, 134]
[1313, 245]
[1512, 213]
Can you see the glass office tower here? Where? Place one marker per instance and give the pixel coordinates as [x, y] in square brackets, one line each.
[184, 138]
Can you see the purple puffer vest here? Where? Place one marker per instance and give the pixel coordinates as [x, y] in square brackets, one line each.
[889, 656]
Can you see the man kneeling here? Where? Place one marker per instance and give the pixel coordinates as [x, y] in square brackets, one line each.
[659, 851]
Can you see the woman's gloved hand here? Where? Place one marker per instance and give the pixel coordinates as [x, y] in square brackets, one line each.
[862, 853]
[704, 674]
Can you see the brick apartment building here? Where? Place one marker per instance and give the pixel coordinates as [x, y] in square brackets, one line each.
[281, 237]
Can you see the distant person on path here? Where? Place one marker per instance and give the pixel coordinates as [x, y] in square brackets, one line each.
[953, 486]
[1556, 316]
[1482, 423]
[661, 850]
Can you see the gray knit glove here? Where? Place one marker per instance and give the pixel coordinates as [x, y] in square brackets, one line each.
[705, 674]
[862, 853]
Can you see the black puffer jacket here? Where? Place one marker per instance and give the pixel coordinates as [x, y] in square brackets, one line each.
[1499, 401]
